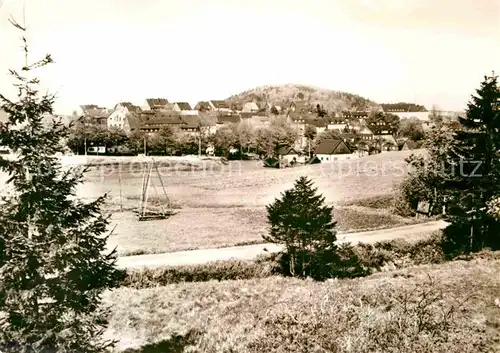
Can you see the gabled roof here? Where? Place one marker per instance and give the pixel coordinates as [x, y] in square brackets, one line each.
[328, 146]
[160, 118]
[184, 105]
[283, 151]
[134, 121]
[301, 106]
[388, 138]
[251, 106]
[203, 105]
[365, 131]
[412, 145]
[220, 104]
[130, 107]
[157, 102]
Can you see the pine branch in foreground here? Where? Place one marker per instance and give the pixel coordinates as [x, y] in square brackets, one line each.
[54, 265]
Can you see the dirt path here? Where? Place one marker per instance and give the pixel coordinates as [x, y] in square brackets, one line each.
[249, 252]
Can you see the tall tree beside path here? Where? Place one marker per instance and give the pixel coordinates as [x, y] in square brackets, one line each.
[475, 180]
[303, 223]
[54, 265]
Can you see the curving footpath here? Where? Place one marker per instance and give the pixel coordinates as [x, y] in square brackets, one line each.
[249, 252]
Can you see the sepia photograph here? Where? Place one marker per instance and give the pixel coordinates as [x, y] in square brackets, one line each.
[249, 176]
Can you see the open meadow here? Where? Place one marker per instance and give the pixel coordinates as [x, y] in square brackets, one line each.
[218, 205]
[221, 205]
[429, 308]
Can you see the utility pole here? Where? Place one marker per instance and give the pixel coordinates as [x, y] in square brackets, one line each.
[145, 146]
[85, 143]
[199, 142]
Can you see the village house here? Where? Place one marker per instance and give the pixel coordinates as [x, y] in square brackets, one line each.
[356, 115]
[319, 125]
[125, 117]
[386, 143]
[407, 110]
[184, 108]
[287, 156]
[92, 115]
[350, 138]
[153, 121]
[129, 107]
[300, 107]
[191, 125]
[333, 150]
[250, 107]
[276, 109]
[365, 133]
[337, 123]
[220, 106]
[203, 106]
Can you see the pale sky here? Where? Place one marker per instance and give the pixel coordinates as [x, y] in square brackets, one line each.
[422, 51]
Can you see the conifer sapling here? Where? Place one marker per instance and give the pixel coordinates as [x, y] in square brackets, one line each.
[54, 264]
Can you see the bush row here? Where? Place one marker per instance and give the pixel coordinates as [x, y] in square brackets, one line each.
[353, 261]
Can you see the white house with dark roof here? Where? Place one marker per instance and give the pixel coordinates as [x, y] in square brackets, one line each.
[125, 117]
[332, 150]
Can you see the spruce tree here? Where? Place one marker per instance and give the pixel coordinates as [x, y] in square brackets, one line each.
[302, 222]
[475, 178]
[54, 265]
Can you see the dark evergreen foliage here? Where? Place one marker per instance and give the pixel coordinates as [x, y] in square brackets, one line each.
[304, 224]
[54, 265]
[475, 178]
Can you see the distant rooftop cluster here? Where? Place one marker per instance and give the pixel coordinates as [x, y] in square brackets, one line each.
[403, 107]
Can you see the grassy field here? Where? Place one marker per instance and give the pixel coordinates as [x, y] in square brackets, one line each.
[202, 228]
[432, 308]
[211, 184]
[224, 205]
[221, 205]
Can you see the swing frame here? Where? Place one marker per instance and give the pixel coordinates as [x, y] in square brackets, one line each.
[144, 213]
